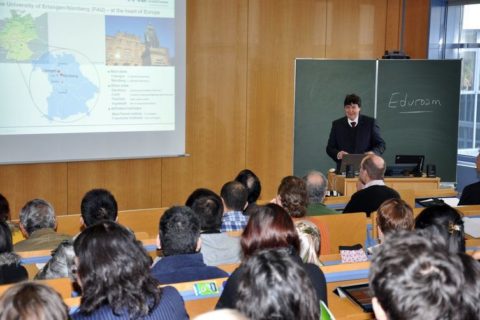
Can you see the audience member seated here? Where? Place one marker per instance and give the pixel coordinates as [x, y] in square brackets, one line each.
[372, 191]
[5, 216]
[234, 196]
[114, 274]
[413, 277]
[11, 270]
[4, 209]
[445, 222]
[471, 291]
[270, 227]
[179, 238]
[393, 215]
[471, 193]
[32, 301]
[292, 196]
[98, 205]
[310, 242]
[316, 189]
[61, 265]
[38, 225]
[217, 247]
[262, 296]
[252, 183]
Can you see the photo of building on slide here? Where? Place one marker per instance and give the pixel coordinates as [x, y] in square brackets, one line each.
[139, 41]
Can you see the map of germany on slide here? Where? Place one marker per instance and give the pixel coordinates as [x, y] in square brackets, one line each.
[24, 39]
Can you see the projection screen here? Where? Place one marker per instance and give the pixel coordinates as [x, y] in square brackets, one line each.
[91, 79]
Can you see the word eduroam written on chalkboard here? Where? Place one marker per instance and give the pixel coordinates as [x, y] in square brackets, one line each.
[406, 103]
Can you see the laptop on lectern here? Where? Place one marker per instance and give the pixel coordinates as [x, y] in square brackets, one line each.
[352, 159]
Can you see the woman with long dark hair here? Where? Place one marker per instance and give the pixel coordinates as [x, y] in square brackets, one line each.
[113, 270]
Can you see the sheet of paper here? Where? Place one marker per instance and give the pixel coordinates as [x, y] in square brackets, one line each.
[472, 226]
[452, 202]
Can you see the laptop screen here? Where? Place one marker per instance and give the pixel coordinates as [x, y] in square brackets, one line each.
[352, 159]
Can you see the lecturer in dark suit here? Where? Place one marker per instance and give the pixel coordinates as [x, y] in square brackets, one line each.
[354, 133]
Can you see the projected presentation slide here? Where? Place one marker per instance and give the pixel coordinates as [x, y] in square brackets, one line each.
[86, 66]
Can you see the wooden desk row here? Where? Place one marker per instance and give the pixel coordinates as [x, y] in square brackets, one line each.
[144, 222]
[348, 186]
[409, 195]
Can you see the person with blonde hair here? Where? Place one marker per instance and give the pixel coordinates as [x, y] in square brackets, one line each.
[310, 241]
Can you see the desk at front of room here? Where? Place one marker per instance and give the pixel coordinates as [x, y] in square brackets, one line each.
[410, 189]
[348, 186]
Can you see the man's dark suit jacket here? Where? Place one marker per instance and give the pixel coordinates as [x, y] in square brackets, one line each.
[364, 137]
[369, 199]
[470, 194]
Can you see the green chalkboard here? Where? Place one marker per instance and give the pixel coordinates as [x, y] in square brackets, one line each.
[415, 103]
[417, 106]
[320, 88]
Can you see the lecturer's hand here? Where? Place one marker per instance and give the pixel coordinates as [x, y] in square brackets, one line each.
[340, 154]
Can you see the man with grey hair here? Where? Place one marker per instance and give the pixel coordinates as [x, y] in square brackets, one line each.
[38, 224]
[317, 188]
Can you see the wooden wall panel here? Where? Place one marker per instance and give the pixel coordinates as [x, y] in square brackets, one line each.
[393, 24]
[417, 19]
[135, 184]
[279, 31]
[21, 183]
[216, 99]
[356, 29]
